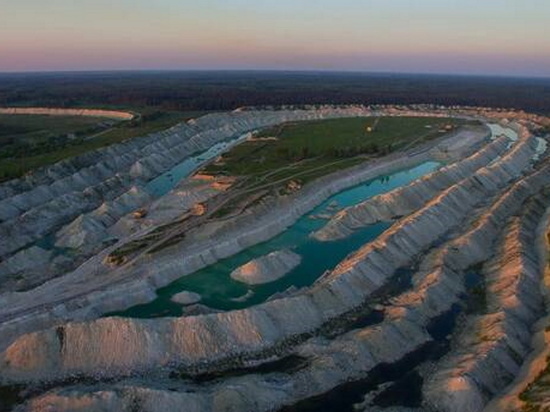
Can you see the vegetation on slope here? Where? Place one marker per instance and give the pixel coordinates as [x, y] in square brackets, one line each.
[31, 141]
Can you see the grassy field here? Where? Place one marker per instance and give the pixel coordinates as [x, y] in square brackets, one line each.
[28, 124]
[304, 151]
[29, 141]
[297, 145]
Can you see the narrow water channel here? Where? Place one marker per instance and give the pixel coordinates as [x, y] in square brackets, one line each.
[219, 291]
[159, 186]
[167, 181]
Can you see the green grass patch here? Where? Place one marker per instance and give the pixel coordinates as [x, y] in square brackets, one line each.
[328, 140]
[305, 151]
[22, 125]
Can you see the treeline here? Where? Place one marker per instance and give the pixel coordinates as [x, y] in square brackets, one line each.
[189, 91]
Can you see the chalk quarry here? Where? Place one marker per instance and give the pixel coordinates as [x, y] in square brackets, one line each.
[449, 294]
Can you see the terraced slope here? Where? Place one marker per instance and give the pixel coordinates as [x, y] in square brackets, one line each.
[449, 292]
[93, 192]
[404, 200]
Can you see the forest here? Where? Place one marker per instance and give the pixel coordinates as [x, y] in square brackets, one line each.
[217, 90]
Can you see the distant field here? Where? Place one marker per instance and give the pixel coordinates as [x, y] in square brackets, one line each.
[311, 144]
[24, 124]
[28, 142]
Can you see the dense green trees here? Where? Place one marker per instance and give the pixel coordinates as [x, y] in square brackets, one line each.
[228, 90]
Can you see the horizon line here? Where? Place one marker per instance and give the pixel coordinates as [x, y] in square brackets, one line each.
[281, 71]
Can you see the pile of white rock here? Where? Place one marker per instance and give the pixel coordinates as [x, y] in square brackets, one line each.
[268, 268]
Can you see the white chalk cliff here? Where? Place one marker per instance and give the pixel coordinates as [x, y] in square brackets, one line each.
[387, 303]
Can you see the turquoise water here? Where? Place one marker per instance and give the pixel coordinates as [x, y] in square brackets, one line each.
[164, 183]
[159, 186]
[219, 291]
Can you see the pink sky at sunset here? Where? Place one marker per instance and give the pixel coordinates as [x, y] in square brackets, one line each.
[492, 37]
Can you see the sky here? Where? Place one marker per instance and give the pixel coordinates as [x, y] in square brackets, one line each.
[490, 37]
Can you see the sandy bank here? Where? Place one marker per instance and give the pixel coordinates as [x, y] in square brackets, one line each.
[52, 111]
